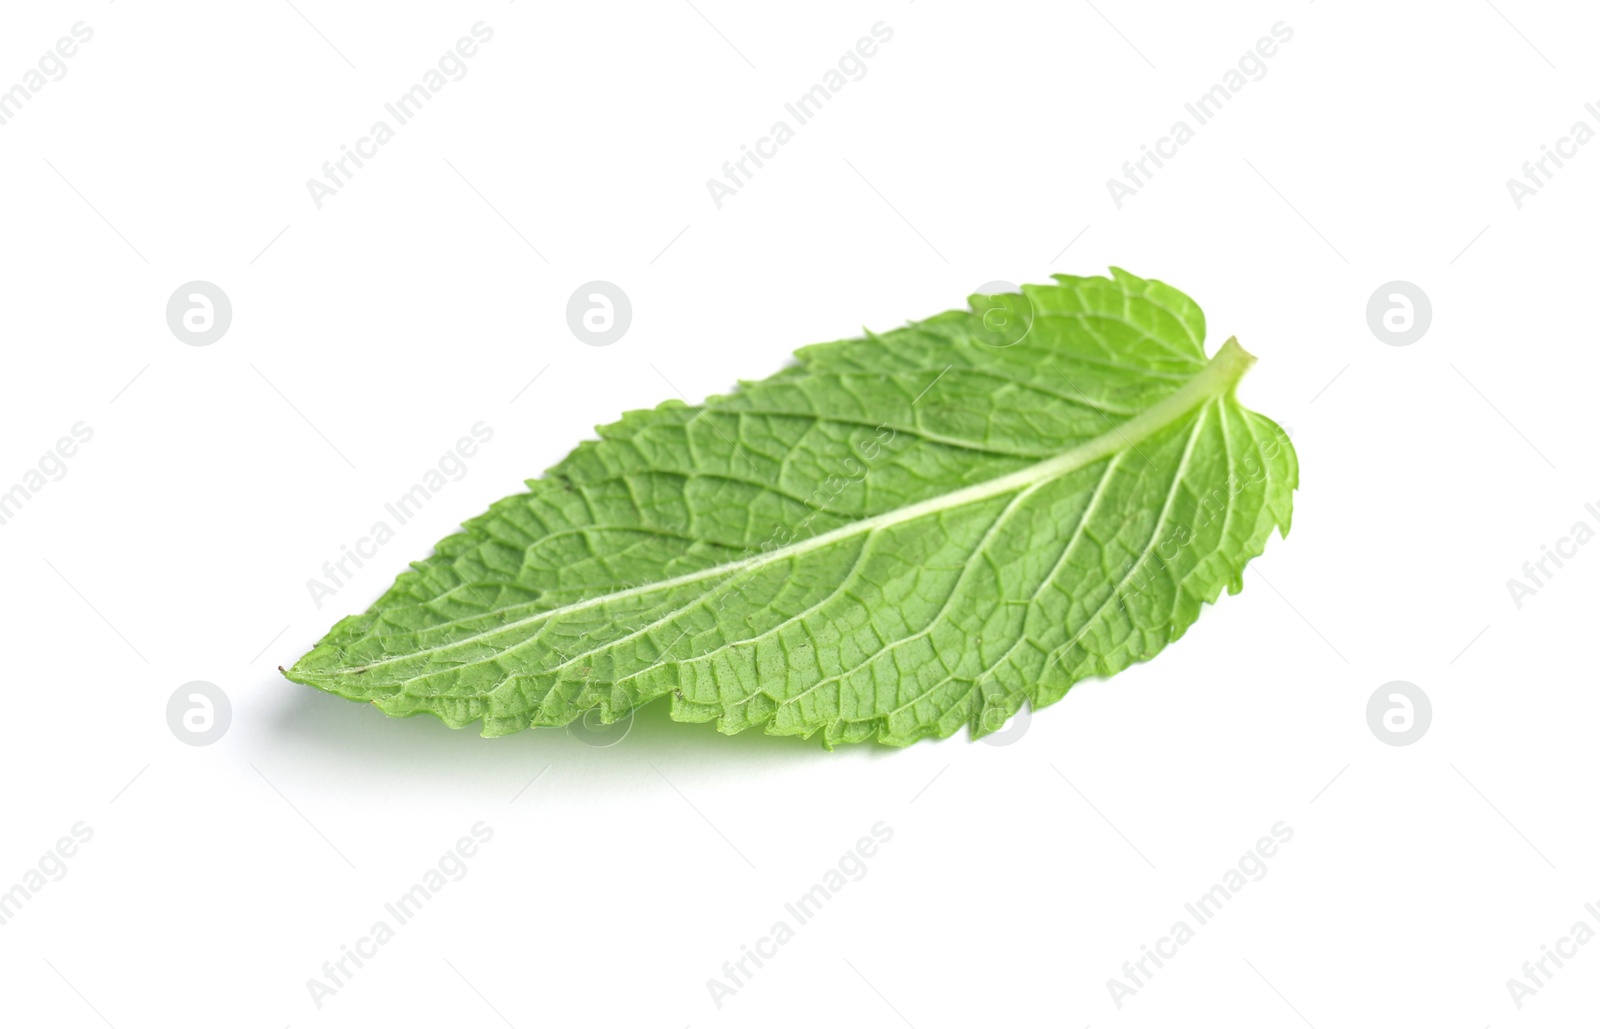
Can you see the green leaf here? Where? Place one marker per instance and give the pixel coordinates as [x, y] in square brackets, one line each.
[895, 537]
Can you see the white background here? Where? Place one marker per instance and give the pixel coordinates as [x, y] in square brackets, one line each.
[370, 334]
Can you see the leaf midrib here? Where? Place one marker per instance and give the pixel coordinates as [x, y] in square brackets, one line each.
[1217, 378]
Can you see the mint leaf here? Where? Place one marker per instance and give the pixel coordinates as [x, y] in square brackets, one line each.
[893, 538]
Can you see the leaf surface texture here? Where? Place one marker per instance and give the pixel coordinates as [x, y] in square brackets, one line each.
[895, 537]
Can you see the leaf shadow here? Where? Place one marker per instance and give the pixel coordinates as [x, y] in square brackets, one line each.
[311, 727]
